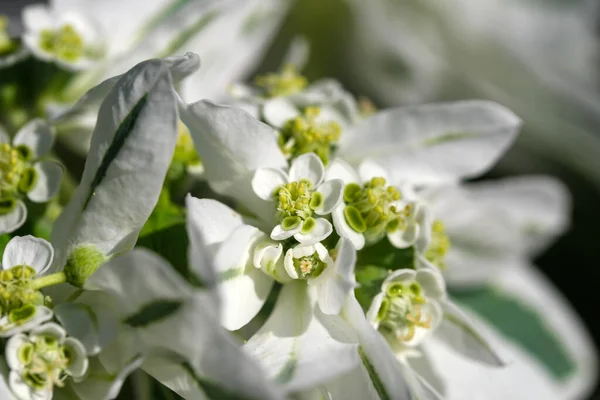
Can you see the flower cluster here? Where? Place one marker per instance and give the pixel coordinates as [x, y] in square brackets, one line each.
[292, 243]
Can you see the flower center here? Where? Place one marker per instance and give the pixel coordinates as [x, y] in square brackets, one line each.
[16, 174]
[306, 134]
[309, 266]
[284, 83]
[440, 244]
[16, 295]
[64, 43]
[44, 362]
[370, 209]
[184, 148]
[6, 43]
[295, 204]
[402, 312]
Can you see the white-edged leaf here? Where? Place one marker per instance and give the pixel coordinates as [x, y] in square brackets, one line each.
[461, 335]
[232, 145]
[433, 143]
[299, 346]
[130, 152]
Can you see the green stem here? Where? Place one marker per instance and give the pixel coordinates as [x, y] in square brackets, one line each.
[49, 280]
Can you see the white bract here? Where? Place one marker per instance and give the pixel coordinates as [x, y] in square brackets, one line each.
[25, 173]
[68, 39]
[22, 304]
[302, 196]
[42, 359]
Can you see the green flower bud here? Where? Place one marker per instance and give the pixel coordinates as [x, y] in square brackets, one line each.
[83, 262]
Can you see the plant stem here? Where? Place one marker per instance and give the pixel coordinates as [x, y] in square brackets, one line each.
[49, 280]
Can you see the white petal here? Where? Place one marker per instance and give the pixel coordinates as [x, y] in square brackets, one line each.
[243, 288]
[344, 230]
[37, 135]
[335, 290]
[383, 368]
[278, 233]
[23, 391]
[49, 174]
[462, 336]
[127, 169]
[137, 279]
[8, 329]
[12, 351]
[288, 263]
[298, 345]
[90, 320]
[278, 111]
[213, 220]
[269, 258]
[232, 145]
[320, 231]
[208, 223]
[307, 166]
[37, 17]
[433, 143]
[28, 250]
[183, 66]
[432, 282]
[14, 219]
[332, 192]
[537, 207]
[369, 169]
[79, 362]
[374, 309]
[101, 384]
[339, 169]
[266, 180]
[321, 251]
[402, 239]
[399, 275]
[51, 329]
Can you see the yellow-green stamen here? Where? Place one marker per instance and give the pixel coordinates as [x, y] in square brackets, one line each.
[64, 43]
[284, 83]
[370, 209]
[306, 134]
[439, 246]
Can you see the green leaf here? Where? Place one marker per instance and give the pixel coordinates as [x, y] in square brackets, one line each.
[370, 279]
[165, 214]
[522, 325]
[153, 312]
[386, 256]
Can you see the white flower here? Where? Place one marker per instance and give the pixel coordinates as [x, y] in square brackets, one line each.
[372, 209]
[247, 263]
[298, 196]
[24, 259]
[68, 39]
[408, 309]
[40, 360]
[24, 172]
[331, 275]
